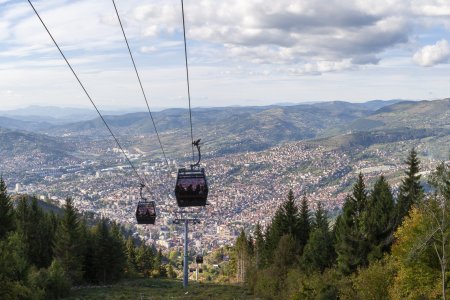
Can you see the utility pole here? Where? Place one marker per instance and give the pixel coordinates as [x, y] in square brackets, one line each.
[186, 222]
[186, 263]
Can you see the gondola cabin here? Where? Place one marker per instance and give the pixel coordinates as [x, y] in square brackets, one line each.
[191, 188]
[146, 212]
[199, 259]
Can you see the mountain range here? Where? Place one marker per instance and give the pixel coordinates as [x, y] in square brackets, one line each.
[239, 129]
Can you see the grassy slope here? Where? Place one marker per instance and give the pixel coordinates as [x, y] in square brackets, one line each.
[161, 289]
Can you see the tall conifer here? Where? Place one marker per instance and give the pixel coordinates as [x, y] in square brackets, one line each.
[259, 247]
[411, 191]
[242, 256]
[68, 246]
[320, 217]
[379, 219]
[290, 218]
[131, 255]
[304, 226]
[6, 211]
[319, 251]
[351, 242]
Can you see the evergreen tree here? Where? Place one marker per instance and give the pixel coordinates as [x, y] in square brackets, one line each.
[6, 211]
[109, 253]
[273, 233]
[144, 259]
[290, 219]
[118, 253]
[285, 255]
[351, 242]
[411, 192]
[285, 222]
[102, 252]
[259, 247]
[251, 246]
[131, 255]
[242, 256]
[304, 224]
[39, 234]
[68, 246]
[89, 271]
[320, 218]
[319, 252]
[379, 219]
[13, 268]
[22, 215]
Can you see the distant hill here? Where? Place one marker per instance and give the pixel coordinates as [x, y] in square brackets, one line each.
[231, 129]
[239, 129]
[422, 114]
[56, 115]
[25, 150]
[21, 124]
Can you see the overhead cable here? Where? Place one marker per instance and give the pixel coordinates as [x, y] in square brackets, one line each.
[187, 79]
[140, 83]
[142, 180]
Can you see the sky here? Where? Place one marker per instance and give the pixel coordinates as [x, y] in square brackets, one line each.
[250, 52]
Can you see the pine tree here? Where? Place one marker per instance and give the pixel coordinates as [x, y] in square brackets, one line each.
[290, 219]
[304, 224]
[131, 255]
[320, 218]
[13, 268]
[144, 259]
[286, 221]
[68, 246]
[251, 246]
[39, 234]
[379, 219]
[89, 271]
[285, 255]
[6, 211]
[37, 230]
[242, 256]
[259, 247]
[109, 256]
[411, 191]
[319, 252]
[273, 234]
[118, 253]
[351, 242]
[102, 251]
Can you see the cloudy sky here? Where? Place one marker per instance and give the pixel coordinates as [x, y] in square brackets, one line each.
[251, 52]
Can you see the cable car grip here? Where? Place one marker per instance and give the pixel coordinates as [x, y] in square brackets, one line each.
[197, 145]
[141, 187]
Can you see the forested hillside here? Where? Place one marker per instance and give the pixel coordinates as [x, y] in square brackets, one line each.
[42, 254]
[382, 246]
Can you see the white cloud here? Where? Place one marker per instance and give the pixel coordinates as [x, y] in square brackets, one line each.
[148, 49]
[286, 31]
[269, 45]
[432, 55]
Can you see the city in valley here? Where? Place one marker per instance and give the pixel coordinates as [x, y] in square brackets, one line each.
[245, 187]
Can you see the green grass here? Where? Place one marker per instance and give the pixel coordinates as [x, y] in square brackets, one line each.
[161, 289]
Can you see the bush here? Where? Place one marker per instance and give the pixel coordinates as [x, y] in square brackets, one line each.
[373, 283]
[327, 285]
[171, 272]
[51, 283]
[267, 285]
